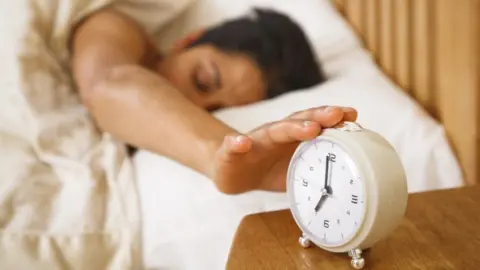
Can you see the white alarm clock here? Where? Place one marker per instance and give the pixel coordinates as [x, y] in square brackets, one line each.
[347, 189]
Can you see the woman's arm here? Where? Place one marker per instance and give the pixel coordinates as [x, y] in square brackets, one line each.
[134, 104]
[138, 107]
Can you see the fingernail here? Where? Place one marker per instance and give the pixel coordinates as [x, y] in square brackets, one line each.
[308, 123]
[239, 138]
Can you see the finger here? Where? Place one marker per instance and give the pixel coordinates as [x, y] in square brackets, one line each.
[305, 114]
[284, 132]
[236, 144]
[325, 116]
[349, 114]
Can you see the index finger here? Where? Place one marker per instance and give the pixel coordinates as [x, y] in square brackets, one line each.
[326, 116]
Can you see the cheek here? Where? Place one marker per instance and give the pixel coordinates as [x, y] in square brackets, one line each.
[248, 81]
[242, 95]
[251, 89]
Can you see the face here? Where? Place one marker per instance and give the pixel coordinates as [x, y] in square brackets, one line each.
[327, 193]
[212, 78]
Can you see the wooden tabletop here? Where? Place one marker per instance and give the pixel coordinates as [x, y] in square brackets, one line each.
[441, 230]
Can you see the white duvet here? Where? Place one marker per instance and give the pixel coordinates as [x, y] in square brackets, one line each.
[69, 197]
[68, 194]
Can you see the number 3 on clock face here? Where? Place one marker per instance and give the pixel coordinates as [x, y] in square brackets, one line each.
[328, 192]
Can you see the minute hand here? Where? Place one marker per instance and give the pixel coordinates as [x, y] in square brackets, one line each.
[327, 163]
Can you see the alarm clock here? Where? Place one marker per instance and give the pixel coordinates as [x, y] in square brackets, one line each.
[347, 190]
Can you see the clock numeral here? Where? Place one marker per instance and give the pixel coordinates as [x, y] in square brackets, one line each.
[338, 221]
[351, 181]
[332, 157]
[354, 199]
[348, 212]
[311, 169]
[304, 183]
[326, 224]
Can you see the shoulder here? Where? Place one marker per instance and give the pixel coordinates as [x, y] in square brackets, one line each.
[153, 14]
[111, 31]
[108, 21]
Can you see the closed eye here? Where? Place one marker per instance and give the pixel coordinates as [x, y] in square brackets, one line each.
[207, 77]
[203, 87]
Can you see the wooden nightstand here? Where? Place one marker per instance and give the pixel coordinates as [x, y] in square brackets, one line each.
[441, 230]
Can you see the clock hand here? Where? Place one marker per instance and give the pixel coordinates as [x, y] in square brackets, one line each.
[320, 202]
[325, 187]
[329, 190]
[323, 197]
[328, 177]
[326, 172]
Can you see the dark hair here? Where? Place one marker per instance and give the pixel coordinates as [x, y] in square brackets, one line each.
[276, 43]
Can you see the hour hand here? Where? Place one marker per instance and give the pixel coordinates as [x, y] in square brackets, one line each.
[320, 203]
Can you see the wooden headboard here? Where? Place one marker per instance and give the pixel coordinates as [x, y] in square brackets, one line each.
[430, 48]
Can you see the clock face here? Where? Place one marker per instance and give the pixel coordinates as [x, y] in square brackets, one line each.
[326, 193]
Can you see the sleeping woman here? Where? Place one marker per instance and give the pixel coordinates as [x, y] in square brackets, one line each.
[159, 102]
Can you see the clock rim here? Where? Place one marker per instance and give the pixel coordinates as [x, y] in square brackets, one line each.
[290, 194]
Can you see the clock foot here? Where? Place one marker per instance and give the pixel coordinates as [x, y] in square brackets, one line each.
[357, 261]
[304, 241]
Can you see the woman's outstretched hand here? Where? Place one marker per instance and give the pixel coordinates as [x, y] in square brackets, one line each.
[259, 159]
